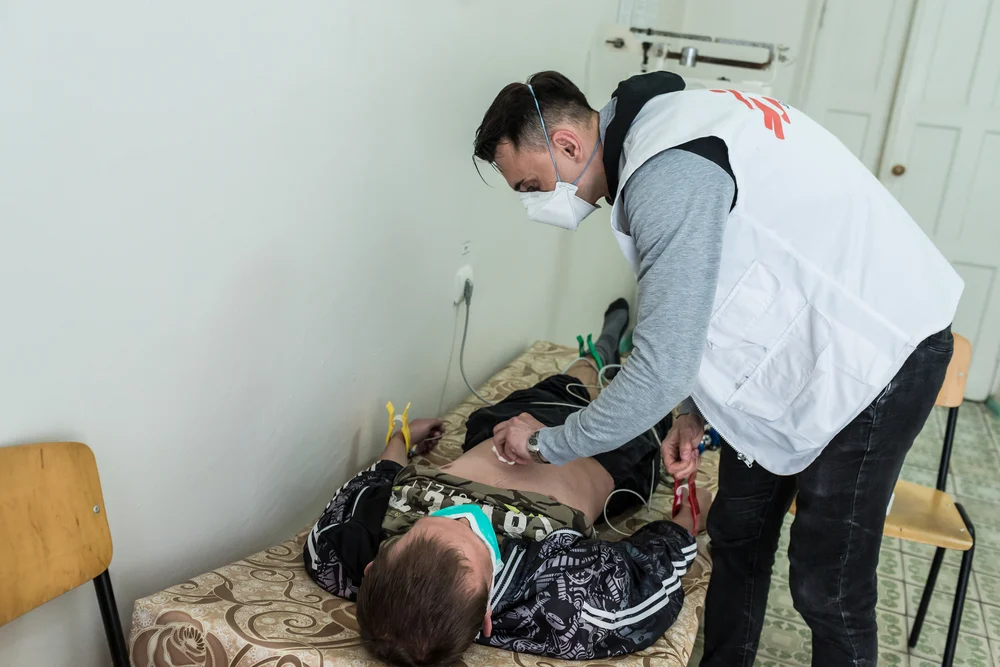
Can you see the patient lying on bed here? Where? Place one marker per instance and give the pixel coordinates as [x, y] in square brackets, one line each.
[428, 586]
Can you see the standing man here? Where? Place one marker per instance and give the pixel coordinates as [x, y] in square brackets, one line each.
[784, 296]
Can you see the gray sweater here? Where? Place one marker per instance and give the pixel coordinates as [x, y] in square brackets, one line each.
[676, 205]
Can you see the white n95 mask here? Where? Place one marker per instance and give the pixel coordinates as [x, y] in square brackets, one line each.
[560, 207]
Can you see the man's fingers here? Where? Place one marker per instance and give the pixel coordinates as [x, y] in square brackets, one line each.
[682, 470]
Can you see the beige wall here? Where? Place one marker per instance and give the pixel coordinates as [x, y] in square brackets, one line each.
[229, 235]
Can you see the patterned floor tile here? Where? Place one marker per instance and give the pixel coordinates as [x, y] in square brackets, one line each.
[891, 595]
[892, 659]
[936, 421]
[982, 467]
[926, 551]
[991, 615]
[780, 568]
[971, 651]
[995, 645]
[779, 603]
[916, 475]
[892, 630]
[971, 440]
[926, 451]
[972, 422]
[986, 560]
[939, 611]
[916, 570]
[784, 539]
[785, 642]
[981, 512]
[993, 424]
[891, 543]
[989, 588]
[987, 537]
[890, 564]
[986, 491]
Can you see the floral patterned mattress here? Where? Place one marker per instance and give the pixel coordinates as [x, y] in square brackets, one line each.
[265, 611]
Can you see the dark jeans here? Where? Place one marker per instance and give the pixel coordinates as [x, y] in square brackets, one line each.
[837, 532]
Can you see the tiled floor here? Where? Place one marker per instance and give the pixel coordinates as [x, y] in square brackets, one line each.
[975, 481]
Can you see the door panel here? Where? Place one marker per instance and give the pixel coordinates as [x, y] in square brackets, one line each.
[958, 39]
[945, 131]
[855, 67]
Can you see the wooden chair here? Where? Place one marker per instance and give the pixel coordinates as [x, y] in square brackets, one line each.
[54, 533]
[930, 516]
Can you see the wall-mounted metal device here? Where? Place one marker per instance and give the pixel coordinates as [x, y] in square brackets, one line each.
[689, 56]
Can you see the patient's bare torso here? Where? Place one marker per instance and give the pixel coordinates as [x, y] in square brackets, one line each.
[582, 484]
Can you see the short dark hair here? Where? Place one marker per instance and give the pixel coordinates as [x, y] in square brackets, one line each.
[513, 117]
[413, 609]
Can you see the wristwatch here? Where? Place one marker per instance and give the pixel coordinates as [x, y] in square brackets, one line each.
[534, 450]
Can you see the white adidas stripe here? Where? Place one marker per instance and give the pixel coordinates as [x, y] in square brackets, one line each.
[636, 609]
[634, 619]
[501, 588]
[658, 599]
[686, 563]
[356, 499]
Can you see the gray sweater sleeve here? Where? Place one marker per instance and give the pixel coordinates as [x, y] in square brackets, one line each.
[676, 204]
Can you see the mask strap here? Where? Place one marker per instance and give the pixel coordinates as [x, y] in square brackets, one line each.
[546, 133]
[592, 154]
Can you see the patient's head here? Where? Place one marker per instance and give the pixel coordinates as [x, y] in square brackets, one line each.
[425, 597]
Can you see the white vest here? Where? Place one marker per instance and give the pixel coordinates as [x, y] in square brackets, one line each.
[826, 284]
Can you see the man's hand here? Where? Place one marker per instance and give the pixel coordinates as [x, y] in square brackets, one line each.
[511, 437]
[680, 448]
[425, 434]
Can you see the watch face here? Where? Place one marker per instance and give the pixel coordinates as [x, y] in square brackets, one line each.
[533, 449]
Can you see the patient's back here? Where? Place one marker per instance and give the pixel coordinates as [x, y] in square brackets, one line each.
[582, 484]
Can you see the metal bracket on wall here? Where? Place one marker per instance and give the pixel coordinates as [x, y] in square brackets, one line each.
[689, 56]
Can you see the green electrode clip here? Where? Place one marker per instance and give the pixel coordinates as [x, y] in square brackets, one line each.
[591, 349]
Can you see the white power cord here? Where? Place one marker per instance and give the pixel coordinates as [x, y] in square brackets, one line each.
[645, 501]
[467, 298]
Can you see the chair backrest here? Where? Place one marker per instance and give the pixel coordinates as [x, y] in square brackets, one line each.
[54, 533]
[953, 390]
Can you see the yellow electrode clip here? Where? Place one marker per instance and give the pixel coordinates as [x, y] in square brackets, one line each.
[403, 420]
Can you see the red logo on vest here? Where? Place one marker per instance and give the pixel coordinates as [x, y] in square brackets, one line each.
[773, 115]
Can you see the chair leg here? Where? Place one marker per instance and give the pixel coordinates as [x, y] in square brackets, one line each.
[963, 585]
[112, 622]
[949, 440]
[925, 599]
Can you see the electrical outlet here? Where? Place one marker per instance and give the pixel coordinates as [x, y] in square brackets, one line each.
[466, 248]
[463, 274]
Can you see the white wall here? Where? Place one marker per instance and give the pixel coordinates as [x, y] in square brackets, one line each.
[228, 233]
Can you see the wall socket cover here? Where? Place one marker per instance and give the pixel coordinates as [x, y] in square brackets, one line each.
[463, 274]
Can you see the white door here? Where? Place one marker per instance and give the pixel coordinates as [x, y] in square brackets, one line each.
[942, 158]
[854, 70]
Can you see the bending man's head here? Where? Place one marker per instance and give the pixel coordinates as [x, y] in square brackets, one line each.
[425, 597]
[511, 137]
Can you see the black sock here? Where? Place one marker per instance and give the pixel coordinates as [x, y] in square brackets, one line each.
[615, 322]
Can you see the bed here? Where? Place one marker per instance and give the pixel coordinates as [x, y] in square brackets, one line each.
[264, 611]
